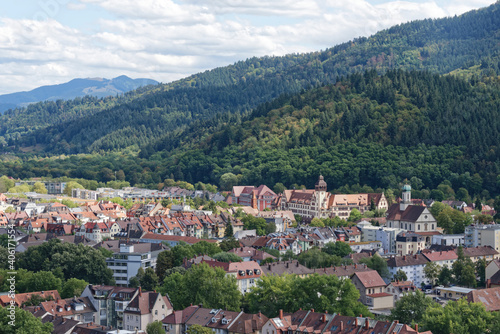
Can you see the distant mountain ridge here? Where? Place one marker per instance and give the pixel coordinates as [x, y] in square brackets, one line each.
[98, 87]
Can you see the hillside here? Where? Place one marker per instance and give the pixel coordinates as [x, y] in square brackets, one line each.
[438, 131]
[467, 45]
[366, 129]
[98, 87]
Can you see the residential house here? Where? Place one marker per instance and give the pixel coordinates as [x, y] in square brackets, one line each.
[483, 235]
[76, 308]
[490, 298]
[441, 258]
[174, 322]
[172, 240]
[341, 205]
[260, 198]
[21, 298]
[487, 253]
[94, 231]
[110, 302]
[408, 243]
[412, 265]
[448, 239]
[247, 323]
[286, 267]
[492, 269]
[246, 273]
[372, 290]
[342, 272]
[130, 258]
[145, 308]
[400, 288]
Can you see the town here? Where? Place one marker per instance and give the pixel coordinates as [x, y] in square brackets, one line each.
[248, 261]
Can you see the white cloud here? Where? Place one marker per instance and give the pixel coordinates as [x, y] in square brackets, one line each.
[167, 40]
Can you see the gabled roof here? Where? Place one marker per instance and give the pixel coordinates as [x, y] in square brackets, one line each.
[479, 251]
[490, 298]
[411, 213]
[21, 298]
[144, 302]
[248, 323]
[441, 256]
[288, 267]
[405, 261]
[370, 279]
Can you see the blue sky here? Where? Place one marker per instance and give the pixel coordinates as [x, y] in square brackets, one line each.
[47, 42]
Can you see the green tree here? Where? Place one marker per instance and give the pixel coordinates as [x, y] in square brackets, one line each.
[228, 244]
[73, 287]
[6, 184]
[155, 327]
[315, 258]
[227, 181]
[198, 329]
[436, 208]
[481, 271]
[24, 323]
[229, 232]
[463, 270]
[74, 261]
[355, 215]
[227, 257]
[39, 187]
[164, 261]
[279, 188]
[149, 281]
[339, 248]
[400, 275]
[316, 222]
[202, 284]
[445, 276]
[458, 317]
[254, 223]
[431, 271]
[290, 292]
[206, 248]
[377, 263]
[43, 281]
[70, 186]
[410, 309]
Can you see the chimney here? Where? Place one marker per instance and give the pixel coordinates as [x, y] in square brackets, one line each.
[367, 324]
[416, 328]
[416, 256]
[324, 318]
[404, 257]
[355, 266]
[140, 291]
[312, 310]
[356, 321]
[341, 326]
[281, 314]
[488, 283]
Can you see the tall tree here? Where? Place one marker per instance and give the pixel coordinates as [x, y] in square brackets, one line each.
[24, 323]
[459, 317]
[410, 309]
[202, 284]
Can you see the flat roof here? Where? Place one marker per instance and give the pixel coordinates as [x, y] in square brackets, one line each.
[456, 289]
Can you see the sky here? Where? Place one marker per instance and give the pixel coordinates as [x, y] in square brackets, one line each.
[46, 42]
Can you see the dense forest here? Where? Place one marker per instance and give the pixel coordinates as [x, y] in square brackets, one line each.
[466, 45]
[419, 100]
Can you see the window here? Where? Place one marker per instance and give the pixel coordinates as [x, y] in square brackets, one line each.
[156, 312]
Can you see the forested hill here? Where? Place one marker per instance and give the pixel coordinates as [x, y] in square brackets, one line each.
[468, 44]
[366, 129]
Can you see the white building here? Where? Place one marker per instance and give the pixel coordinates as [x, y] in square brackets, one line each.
[413, 266]
[448, 239]
[130, 258]
[477, 235]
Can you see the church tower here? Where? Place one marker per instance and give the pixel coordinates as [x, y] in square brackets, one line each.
[321, 194]
[406, 197]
